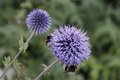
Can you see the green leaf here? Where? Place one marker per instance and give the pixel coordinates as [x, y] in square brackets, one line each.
[25, 47]
[21, 43]
[45, 66]
[17, 65]
[6, 61]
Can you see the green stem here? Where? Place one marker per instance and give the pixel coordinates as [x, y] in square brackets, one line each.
[16, 56]
[45, 70]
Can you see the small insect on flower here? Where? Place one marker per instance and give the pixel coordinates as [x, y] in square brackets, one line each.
[71, 68]
[71, 46]
[48, 39]
[38, 21]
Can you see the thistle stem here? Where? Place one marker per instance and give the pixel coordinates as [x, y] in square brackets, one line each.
[45, 70]
[16, 56]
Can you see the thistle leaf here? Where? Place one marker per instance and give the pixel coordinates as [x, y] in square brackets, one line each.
[25, 47]
[17, 65]
[6, 61]
[21, 43]
[45, 66]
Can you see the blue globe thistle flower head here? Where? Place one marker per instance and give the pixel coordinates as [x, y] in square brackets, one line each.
[38, 21]
[70, 45]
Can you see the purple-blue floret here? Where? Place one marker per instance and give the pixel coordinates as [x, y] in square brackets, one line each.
[70, 45]
[38, 21]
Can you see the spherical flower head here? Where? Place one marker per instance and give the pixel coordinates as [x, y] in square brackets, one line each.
[38, 21]
[70, 45]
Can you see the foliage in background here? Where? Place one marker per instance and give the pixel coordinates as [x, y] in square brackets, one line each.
[101, 18]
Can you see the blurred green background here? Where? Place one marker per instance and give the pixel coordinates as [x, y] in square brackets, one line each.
[100, 18]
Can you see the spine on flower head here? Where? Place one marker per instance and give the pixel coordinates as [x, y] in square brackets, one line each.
[38, 21]
[70, 45]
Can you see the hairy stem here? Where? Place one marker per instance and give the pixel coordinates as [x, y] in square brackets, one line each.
[45, 70]
[16, 56]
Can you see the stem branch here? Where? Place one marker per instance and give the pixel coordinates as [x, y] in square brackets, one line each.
[16, 56]
[45, 70]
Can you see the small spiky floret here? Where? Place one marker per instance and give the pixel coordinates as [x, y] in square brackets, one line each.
[38, 21]
[70, 45]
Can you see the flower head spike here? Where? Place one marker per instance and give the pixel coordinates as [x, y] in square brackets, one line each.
[38, 21]
[70, 45]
